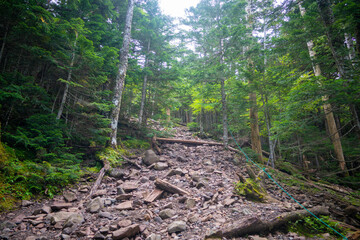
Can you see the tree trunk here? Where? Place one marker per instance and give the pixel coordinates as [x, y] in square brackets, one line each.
[4, 41]
[120, 78]
[143, 93]
[68, 79]
[201, 121]
[224, 113]
[254, 125]
[329, 116]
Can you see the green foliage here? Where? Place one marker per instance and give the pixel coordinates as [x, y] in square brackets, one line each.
[112, 156]
[136, 143]
[310, 227]
[251, 190]
[193, 126]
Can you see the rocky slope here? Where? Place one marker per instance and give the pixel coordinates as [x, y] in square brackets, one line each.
[122, 207]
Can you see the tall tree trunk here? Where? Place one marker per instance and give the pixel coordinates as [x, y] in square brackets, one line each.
[68, 79]
[224, 113]
[4, 41]
[329, 116]
[201, 121]
[143, 93]
[254, 125]
[120, 78]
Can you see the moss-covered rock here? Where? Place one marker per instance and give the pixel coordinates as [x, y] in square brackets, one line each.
[251, 190]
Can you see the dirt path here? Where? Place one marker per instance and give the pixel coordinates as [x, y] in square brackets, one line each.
[118, 210]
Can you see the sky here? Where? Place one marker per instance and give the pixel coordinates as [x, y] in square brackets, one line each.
[176, 8]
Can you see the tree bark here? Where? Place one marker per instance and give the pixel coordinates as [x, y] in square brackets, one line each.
[253, 225]
[143, 93]
[120, 78]
[329, 115]
[68, 79]
[4, 41]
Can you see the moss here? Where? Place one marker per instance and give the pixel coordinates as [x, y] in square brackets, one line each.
[251, 190]
[136, 144]
[112, 156]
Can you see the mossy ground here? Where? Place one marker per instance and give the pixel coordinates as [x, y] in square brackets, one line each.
[251, 190]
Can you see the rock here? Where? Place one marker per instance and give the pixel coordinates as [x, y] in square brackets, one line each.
[7, 224]
[190, 203]
[177, 226]
[124, 197]
[70, 196]
[117, 173]
[124, 223]
[57, 206]
[181, 159]
[18, 219]
[161, 166]
[129, 186]
[59, 217]
[44, 209]
[99, 236]
[100, 193]
[228, 201]
[144, 179]
[154, 236]
[95, 205]
[74, 219]
[256, 237]
[167, 213]
[200, 184]
[105, 215]
[120, 190]
[173, 172]
[65, 236]
[32, 238]
[193, 218]
[150, 158]
[26, 203]
[104, 230]
[129, 232]
[125, 205]
[195, 176]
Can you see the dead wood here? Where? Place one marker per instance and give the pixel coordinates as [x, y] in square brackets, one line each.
[153, 195]
[155, 146]
[127, 160]
[191, 142]
[169, 187]
[254, 225]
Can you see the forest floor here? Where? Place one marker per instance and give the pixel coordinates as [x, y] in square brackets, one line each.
[119, 210]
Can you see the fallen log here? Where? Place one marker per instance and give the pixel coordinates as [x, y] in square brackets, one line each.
[254, 225]
[185, 141]
[169, 187]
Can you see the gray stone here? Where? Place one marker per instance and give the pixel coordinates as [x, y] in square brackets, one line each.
[120, 191]
[104, 230]
[64, 236]
[44, 209]
[32, 238]
[150, 158]
[26, 203]
[177, 226]
[74, 219]
[59, 217]
[161, 166]
[70, 196]
[154, 236]
[190, 203]
[56, 206]
[125, 205]
[7, 224]
[129, 186]
[129, 232]
[144, 179]
[105, 215]
[117, 173]
[124, 223]
[176, 171]
[99, 236]
[167, 213]
[95, 205]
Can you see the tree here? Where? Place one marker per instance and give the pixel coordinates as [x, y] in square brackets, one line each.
[120, 79]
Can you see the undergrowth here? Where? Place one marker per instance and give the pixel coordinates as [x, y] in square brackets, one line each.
[312, 227]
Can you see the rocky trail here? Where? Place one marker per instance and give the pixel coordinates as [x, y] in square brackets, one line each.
[185, 193]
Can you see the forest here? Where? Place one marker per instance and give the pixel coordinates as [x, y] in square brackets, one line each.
[80, 79]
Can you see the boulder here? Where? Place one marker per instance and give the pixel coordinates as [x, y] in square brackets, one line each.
[74, 219]
[117, 173]
[70, 196]
[127, 232]
[161, 166]
[167, 213]
[177, 226]
[95, 205]
[150, 158]
[154, 236]
[59, 217]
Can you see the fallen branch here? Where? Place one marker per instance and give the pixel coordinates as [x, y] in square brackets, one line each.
[169, 187]
[254, 225]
